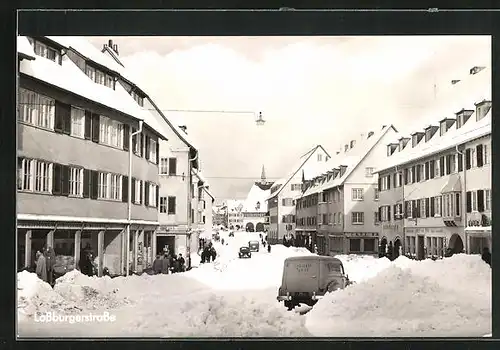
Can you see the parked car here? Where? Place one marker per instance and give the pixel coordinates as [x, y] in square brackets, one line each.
[231, 234]
[254, 246]
[306, 279]
[245, 252]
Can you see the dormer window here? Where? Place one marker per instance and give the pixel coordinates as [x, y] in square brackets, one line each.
[353, 142]
[415, 138]
[403, 142]
[137, 98]
[429, 132]
[100, 77]
[463, 116]
[44, 50]
[391, 148]
[482, 108]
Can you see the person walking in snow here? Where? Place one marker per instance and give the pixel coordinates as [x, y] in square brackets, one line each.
[182, 263]
[486, 256]
[269, 248]
[41, 266]
[157, 265]
[50, 257]
[213, 253]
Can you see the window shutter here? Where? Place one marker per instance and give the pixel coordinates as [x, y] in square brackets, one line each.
[95, 127]
[157, 195]
[146, 193]
[467, 159]
[394, 183]
[171, 205]
[94, 184]
[441, 166]
[126, 136]
[480, 201]
[88, 125]
[141, 145]
[432, 167]
[65, 180]
[379, 214]
[413, 178]
[426, 170]
[380, 183]
[395, 208]
[418, 208]
[124, 188]
[479, 155]
[132, 195]
[405, 212]
[86, 183]
[418, 173]
[389, 213]
[468, 203]
[448, 165]
[427, 204]
[460, 162]
[141, 191]
[158, 151]
[148, 146]
[433, 204]
[172, 166]
[56, 179]
[388, 182]
[457, 204]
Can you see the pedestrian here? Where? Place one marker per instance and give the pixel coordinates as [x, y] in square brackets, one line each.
[182, 262]
[165, 264]
[486, 256]
[222, 241]
[41, 266]
[173, 261]
[269, 248]
[213, 253]
[157, 264]
[50, 257]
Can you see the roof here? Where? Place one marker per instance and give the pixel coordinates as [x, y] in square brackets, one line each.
[24, 48]
[297, 167]
[350, 159]
[256, 194]
[209, 193]
[313, 149]
[69, 77]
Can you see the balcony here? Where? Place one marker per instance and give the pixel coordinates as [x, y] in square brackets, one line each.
[477, 219]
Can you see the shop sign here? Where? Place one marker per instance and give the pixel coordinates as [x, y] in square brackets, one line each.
[362, 234]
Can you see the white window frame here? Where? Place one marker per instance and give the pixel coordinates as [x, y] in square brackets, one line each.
[152, 195]
[422, 172]
[111, 132]
[152, 151]
[376, 194]
[437, 169]
[35, 176]
[115, 187]
[357, 218]
[473, 203]
[487, 200]
[137, 199]
[396, 175]
[473, 160]
[357, 194]
[77, 122]
[369, 171]
[437, 206]
[422, 208]
[90, 72]
[76, 182]
[410, 175]
[320, 157]
[163, 205]
[137, 148]
[486, 159]
[36, 109]
[163, 166]
[103, 186]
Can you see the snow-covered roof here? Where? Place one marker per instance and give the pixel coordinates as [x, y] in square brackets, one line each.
[256, 195]
[302, 163]
[24, 47]
[233, 204]
[474, 89]
[350, 159]
[69, 77]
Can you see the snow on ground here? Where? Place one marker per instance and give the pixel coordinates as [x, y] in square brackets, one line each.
[443, 298]
[237, 297]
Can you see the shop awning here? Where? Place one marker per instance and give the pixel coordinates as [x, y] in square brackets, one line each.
[453, 184]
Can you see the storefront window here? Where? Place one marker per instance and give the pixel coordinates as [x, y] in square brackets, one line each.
[369, 244]
[355, 245]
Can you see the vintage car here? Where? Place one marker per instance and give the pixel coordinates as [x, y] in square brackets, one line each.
[254, 246]
[245, 252]
[306, 279]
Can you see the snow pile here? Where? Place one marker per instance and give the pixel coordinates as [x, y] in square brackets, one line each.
[362, 267]
[449, 297]
[36, 296]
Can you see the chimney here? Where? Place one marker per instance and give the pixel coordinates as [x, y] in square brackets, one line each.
[453, 82]
[346, 147]
[370, 134]
[352, 143]
[110, 43]
[115, 48]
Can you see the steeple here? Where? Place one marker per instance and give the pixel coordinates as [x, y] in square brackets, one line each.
[263, 175]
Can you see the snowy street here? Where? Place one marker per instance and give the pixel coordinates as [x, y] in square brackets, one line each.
[237, 298]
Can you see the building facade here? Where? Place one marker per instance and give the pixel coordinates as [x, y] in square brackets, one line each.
[255, 205]
[435, 191]
[234, 214]
[71, 108]
[337, 206]
[281, 200]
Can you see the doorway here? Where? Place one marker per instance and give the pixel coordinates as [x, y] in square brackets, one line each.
[456, 244]
[259, 227]
[420, 248]
[162, 241]
[250, 227]
[382, 248]
[397, 247]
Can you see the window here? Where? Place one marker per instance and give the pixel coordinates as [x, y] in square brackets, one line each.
[339, 218]
[358, 217]
[100, 77]
[163, 204]
[458, 204]
[171, 205]
[163, 166]
[34, 175]
[152, 151]
[109, 81]
[48, 52]
[76, 182]
[486, 154]
[437, 206]
[422, 208]
[172, 166]
[487, 200]
[77, 122]
[103, 186]
[369, 171]
[36, 109]
[436, 169]
[376, 220]
[90, 71]
[369, 244]
[111, 132]
[421, 172]
[473, 158]
[137, 191]
[296, 187]
[355, 245]
[287, 202]
[397, 179]
[357, 194]
[376, 194]
[115, 187]
[474, 201]
[152, 195]
[320, 157]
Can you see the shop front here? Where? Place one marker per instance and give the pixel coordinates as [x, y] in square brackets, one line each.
[362, 242]
[478, 238]
[433, 242]
[391, 238]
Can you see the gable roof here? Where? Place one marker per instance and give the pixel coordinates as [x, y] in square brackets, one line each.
[350, 159]
[314, 149]
[298, 166]
[24, 49]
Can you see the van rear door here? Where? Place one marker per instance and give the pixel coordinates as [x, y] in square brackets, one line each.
[302, 275]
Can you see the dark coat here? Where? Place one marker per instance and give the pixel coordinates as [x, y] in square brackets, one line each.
[486, 256]
[157, 265]
[165, 264]
[51, 259]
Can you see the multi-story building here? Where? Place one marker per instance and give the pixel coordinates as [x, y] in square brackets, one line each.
[179, 162]
[234, 214]
[337, 206]
[208, 209]
[220, 215]
[78, 127]
[255, 205]
[435, 186]
[281, 203]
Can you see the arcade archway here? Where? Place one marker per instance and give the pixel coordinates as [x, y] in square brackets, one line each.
[259, 227]
[249, 227]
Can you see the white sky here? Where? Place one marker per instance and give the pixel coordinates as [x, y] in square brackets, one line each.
[311, 90]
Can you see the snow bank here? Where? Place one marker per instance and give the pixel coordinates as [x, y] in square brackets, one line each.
[443, 298]
[363, 267]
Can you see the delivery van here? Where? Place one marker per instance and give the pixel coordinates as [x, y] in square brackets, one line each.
[254, 246]
[306, 279]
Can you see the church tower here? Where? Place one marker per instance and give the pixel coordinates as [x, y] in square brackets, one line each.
[263, 175]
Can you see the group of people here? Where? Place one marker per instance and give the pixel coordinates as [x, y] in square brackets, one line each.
[169, 263]
[45, 261]
[86, 263]
[208, 253]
